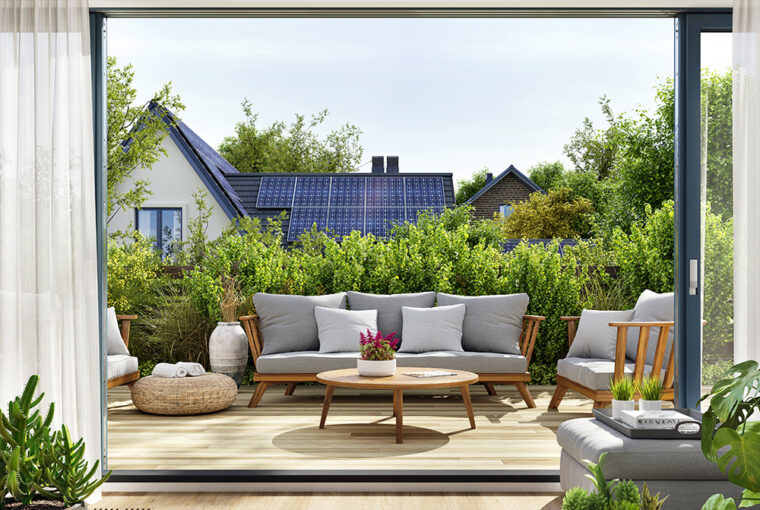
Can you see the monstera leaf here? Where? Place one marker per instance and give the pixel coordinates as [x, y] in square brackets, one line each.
[728, 394]
[718, 502]
[749, 498]
[740, 460]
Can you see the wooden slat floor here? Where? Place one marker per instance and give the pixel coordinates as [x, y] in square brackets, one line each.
[283, 433]
[330, 501]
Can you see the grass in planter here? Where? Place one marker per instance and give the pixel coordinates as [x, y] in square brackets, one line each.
[650, 388]
[623, 388]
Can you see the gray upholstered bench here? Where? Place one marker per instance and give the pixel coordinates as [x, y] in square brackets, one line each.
[672, 467]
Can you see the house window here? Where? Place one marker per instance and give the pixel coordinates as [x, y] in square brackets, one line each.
[505, 210]
[164, 226]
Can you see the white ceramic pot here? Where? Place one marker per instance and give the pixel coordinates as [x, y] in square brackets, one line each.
[383, 368]
[228, 350]
[618, 406]
[650, 405]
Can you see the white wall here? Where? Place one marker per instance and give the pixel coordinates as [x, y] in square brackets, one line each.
[173, 182]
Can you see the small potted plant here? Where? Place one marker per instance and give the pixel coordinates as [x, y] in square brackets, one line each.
[378, 354]
[650, 390]
[622, 396]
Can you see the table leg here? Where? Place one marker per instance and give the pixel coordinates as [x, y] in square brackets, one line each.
[398, 409]
[326, 406]
[468, 404]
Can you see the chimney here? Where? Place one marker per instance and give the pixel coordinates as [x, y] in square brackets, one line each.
[489, 177]
[378, 165]
[392, 167]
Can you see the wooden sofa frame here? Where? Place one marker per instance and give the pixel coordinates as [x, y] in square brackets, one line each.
[129, 379]
[530, 327]
[602, 398]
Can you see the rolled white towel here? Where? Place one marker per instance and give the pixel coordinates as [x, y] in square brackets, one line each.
[169, 370]
[193, 369]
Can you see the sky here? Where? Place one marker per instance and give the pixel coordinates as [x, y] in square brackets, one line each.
[445, 95]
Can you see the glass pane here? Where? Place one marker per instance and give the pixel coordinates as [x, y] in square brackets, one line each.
[147, 221]
[717, 208]
[171, 231]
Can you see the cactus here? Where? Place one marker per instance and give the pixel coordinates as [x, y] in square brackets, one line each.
[23, 436]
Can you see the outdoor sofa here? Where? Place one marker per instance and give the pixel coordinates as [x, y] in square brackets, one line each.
[121, 366]
[497, 337]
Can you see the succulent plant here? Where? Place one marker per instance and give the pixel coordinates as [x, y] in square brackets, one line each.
[626, 490]
[649, 501]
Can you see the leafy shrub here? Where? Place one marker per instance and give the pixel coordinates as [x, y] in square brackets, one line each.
[559, 213]
[718, 334]
[135, 277]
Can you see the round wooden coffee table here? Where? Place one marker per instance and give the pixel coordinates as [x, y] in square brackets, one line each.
[350, 378]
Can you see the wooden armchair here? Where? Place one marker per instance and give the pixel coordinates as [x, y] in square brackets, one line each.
[531, 324]
[131, 377]
[602, 396]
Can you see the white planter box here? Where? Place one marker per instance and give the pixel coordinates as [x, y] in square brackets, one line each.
[618, 406]
[650, 405]
[368, 368]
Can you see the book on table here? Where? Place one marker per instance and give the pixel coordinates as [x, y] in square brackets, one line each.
[666, 419]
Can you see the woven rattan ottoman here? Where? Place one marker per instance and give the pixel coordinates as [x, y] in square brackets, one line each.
[184, 395]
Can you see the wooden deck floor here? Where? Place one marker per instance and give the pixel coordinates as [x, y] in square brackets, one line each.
[283, 433]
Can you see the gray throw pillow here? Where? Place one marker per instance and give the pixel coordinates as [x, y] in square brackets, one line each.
[651, 307]
[339, 329]
[288, 323]
[388, 307]
[491, 323]
[115, 342]
[595, 337]
[432, 329]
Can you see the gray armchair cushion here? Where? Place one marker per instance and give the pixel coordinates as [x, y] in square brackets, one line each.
[288, 323]
[120, 364]
[491, 323]
[388, 307]
[595, 337]
[339, 330]
[432, 329]
[116, 343]
[651, 307]
[314, 362]
[594, 373]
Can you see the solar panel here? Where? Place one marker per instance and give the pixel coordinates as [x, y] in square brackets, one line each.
[276, 192]
[385, 191]
[380, 221]
[347, 191]
[312, 191]
[424, 192]
[343, 220]
[304, 218]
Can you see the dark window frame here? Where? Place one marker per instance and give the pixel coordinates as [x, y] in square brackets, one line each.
[688, 22]
[159, 242]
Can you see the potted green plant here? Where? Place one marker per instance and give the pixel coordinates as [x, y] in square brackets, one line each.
[38, 466]
[228, 345]
[650, 389]
[378, 354]
[622, 391]
[730, 438]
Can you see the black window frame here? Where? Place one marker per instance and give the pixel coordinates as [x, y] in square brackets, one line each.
[159, 242]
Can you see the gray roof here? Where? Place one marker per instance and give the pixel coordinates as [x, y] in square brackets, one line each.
[511, 170]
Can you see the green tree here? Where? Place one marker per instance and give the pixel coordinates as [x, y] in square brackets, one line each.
[294, 147]
[556, 214]
[548, 175]
[594, 151]
[128, 147]
[717, 129]
[466, 188]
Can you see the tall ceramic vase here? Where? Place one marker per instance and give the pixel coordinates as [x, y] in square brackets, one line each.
[228, 350]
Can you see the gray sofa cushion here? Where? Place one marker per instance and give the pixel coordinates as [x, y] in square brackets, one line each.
[388, 307]
[636, 459]
[491, 323]
[312, 362]
[339, 330]
[651, 307]
[594, 373]
[595, 337]
[288, 323]
[120, 364]
[116, 344]
[432, 329]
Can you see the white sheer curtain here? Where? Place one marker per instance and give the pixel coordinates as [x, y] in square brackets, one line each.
[746, 98]
[48, 265]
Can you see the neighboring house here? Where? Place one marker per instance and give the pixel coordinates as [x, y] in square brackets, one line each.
[501, 193]
[369, 202]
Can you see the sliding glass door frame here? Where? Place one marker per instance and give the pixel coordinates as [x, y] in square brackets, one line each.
[688, 199]
[689, 24]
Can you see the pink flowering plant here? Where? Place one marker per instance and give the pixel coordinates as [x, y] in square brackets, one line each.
[376, 346]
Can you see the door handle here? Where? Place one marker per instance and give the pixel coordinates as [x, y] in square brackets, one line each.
[693, 276]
